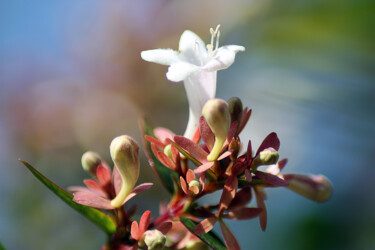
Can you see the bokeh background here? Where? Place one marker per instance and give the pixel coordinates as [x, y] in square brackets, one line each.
[71, 79]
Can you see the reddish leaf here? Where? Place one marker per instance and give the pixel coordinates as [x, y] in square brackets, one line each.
[206, 133]
[243, 213]
[248, 175]
[175, 155]
[271, 141]
[229, 191]
[103, 175]
[259, 194]
[197, 136]
[202, 168]
[163, 158]
[249, 153]
[238, 167]
[229, 238]
[155, 141]
[281, 164]
[245, 118]
[224, 155]
[135, 231]
[205, 225]
[163, 134]
[91, 199]
[145, 221]
[137, 190]
[231, 133]
[202, 178]
[94, 186]
[191, 147]
[184, 185]
[190, 176]
[78, 188]
[164, 227]
[242, 198]
[271, 179]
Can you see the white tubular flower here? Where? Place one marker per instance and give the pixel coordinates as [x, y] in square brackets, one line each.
[196, 65]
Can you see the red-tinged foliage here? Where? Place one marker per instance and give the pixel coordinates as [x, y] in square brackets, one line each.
[259, 194]
[206, 133]
[163, 134]
[92, 199]
[242, 198]
[205, 225]
[191, 147]
[229, 192]
[271, 180]
[103, 175]
[230, 241]
[243, 213]
[164, 227]
[271, 141]
[145, 221]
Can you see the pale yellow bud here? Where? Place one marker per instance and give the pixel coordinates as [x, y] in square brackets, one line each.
[124, 153]
[154, 239]
[268, 156]
[168, 151]
[216, 113]
[90, 161]
[314, 187]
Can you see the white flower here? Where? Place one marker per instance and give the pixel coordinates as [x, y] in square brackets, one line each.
[196, 65]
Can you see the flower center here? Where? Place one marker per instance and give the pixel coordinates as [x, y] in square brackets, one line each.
[215, 34]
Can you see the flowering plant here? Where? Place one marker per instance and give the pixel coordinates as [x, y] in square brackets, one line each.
[207, 159]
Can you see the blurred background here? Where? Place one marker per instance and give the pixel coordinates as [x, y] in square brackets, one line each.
[71, 79]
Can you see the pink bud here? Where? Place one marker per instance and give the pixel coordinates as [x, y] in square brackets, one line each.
[314, 187]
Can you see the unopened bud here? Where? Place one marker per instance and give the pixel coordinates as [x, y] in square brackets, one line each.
[168, 150]
[314, 187]
[216, 113]
[90, 161]
[154, 239]
[268, 156]
[124, 153]
[235, 109]
[195, 183]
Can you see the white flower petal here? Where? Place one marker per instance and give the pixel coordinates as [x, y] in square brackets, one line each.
[223, 58]
[199, 87]
[180, 71]
[192, 48]
[161, 56]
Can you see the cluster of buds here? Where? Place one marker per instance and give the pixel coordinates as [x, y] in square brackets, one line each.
[208, 158]
[217, 165]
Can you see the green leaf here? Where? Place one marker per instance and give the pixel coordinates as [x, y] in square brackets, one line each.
[98, 217]
[2, 247]
[210, 238]
[164, 173]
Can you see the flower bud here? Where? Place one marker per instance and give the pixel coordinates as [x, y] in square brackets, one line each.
[154, 239]
[90, 161]
[314, 187]
[124, 153]
[235, 109]
[268, 156]
[168, 151]
[216, 113]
